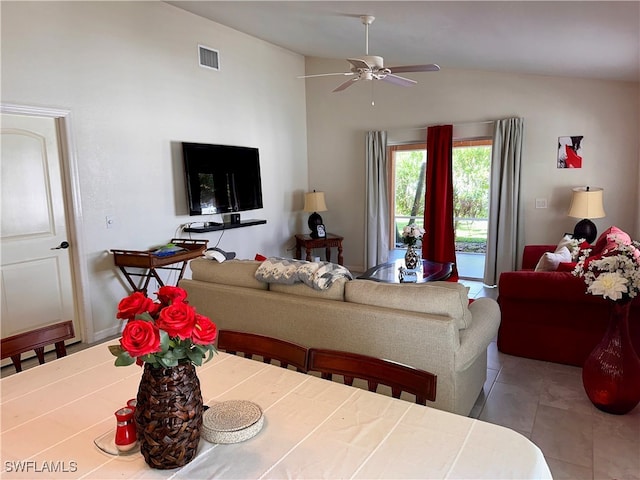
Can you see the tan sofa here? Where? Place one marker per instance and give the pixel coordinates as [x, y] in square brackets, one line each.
[428, 326]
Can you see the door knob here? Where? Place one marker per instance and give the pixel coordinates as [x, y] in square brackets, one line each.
[63, 245]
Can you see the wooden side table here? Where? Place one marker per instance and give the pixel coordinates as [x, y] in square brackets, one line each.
[327, 243]
[149, 262]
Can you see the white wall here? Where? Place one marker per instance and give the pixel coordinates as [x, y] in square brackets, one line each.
[606, 113]
[128, 72]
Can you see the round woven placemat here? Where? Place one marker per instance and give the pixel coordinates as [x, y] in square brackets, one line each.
[231, 421]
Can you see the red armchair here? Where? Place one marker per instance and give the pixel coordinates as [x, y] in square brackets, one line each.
[548, 316]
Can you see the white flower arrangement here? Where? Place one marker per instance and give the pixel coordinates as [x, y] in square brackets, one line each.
[411, 234]
[616, 275]
[575, 247]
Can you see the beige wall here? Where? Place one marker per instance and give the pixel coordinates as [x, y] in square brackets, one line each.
[129, 74]
[606, 113]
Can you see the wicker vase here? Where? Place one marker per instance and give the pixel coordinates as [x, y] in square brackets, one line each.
[169, 415]
[611, 373]
[411, 258]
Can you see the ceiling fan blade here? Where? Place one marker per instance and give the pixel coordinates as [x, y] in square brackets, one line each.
[431, 67]
[324, 74]
[396, 80]
[359, 63]
[345, 85]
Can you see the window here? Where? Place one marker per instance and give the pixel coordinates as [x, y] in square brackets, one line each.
[471, 176]
[408, 171]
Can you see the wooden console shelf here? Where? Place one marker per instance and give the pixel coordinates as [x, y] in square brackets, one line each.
[150, 262]
[214, 226]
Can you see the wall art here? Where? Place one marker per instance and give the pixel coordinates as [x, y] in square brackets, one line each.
[570, 152]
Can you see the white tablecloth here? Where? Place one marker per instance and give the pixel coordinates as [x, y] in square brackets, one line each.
[313, 428]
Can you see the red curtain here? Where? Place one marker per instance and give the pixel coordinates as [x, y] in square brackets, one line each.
[438, 242]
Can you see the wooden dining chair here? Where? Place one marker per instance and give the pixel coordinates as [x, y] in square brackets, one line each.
[268, 348]
[400, 378]
[37, 340]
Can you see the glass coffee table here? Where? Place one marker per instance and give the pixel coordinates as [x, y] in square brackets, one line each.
[395, 272]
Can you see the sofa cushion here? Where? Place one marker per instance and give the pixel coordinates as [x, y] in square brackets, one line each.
[334, 292]
[437, 298]
[240, 273]
[550, 260]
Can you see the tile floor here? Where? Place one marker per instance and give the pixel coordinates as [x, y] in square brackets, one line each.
[546, 403]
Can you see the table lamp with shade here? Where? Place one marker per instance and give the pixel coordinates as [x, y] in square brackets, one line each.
[586, 203]
[314, 202]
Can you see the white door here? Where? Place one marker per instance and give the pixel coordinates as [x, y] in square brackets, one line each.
[36, 278]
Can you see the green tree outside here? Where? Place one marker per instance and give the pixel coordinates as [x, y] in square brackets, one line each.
[471, 169]
[410, 169]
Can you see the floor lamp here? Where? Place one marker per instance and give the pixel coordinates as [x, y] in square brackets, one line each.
[586, 203]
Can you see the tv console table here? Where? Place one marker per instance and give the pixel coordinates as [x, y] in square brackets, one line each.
[150, 262]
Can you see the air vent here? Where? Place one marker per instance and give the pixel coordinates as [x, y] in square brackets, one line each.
[209, 58]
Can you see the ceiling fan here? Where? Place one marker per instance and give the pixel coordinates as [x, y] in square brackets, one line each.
[371, 67]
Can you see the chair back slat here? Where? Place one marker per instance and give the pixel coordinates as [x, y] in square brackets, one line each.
[401, 378]
[37, 340]
[268, 348]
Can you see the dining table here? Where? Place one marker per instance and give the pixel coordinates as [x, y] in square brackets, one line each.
[55, 416]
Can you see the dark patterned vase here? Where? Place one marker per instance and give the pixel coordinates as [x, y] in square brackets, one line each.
[611, 373]
[411, 258]
[169, 415]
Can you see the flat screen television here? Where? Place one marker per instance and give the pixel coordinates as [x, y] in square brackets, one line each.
[221, 178]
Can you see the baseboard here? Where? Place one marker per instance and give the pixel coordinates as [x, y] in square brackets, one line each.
[107, 333]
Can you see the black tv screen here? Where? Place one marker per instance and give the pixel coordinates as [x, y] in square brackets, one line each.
[221, 178]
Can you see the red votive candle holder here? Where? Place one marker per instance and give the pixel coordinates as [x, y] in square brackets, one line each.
[126, 429]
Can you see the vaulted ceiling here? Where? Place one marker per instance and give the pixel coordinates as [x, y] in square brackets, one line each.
[590, 39]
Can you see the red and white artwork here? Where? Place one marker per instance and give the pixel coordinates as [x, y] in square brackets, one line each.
[570, 152]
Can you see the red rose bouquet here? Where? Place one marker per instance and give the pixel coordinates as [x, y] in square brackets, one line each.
[163, 333]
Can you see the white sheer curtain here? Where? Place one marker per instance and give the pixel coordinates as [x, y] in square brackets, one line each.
[376, 230]
[505, 219]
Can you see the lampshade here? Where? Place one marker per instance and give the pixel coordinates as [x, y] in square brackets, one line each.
[586, 202]
[314, 202]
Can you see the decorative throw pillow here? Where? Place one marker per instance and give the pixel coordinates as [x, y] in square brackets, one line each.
[566, 266]
[607, 241]
[549, 261]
